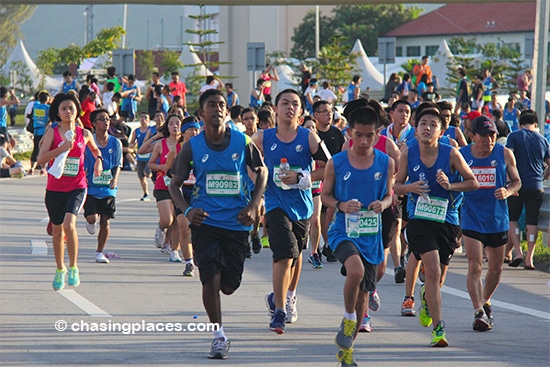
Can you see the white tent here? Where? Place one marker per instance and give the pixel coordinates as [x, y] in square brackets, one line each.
[439, 64]
[188, 58]
[20, 54]
[372, 78]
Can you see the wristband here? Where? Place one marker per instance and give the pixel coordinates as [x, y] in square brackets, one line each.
[187, 211]
[100, 157]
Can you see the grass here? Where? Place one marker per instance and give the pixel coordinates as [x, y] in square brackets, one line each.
[542, 251]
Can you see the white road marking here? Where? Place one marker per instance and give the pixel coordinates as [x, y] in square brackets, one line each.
[39, 247]
[83, 303]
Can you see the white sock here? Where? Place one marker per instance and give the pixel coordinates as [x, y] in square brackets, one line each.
[98, 253]
[189, 261]
[290, 294]
[350, 316]
[219, 334]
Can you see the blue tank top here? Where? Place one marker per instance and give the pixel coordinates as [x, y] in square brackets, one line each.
[140, 137]
[351, 91]
[450, 132]
[255, 102]
[230, 99]
[222, 186]
[40, 117]
[296, 203]
[443, 162]
[487, 90]
[3, 116]
[481, 211]
[98, 187]
[68, 87]
[350, 184]
[511, 118]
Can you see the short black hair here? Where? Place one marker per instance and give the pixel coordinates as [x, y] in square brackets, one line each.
[528, 117]
[364, 116]
[93, 115]
[207, 94]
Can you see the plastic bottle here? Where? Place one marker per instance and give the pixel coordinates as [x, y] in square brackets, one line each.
[284, 168]
[353, 223]
[422, 178]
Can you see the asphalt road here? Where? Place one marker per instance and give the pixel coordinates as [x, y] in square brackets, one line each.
[143, 288]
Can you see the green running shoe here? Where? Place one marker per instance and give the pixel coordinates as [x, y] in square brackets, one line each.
[424, 314]
[74, 277]
[59, 280]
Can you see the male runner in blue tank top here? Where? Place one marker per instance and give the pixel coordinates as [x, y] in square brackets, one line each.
[224, 205]
[484, 214]
[435, 175]
[288, 210]
[346, 176]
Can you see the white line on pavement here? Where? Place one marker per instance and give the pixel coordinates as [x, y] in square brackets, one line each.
[83, 304]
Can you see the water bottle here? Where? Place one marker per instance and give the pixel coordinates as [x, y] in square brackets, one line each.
[284, 169]
[422, 178]
[353, 223]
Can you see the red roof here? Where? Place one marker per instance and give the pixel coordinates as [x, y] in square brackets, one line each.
[471, 18]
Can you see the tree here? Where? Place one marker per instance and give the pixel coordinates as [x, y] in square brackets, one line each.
[146, 62]
[171, 62]
[499, 61]
[23, 80]
[462, 49]
[11, 16]
[363, 22]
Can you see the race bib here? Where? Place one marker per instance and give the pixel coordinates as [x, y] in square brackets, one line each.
[276, 178]
[486, 176]
[434, 210]
[223, 184]
[104, 179]
[71, 166]
[369, 223]
[316, 185]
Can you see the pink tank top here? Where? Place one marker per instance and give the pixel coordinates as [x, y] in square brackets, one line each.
[160, 183]
[380, 144]
[73, 177]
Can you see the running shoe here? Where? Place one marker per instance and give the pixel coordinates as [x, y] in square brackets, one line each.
[344, 337]
[481, 321]
[74, 277]
[489, 312]
[315, 261]
[145, 198]
[100, 258]
[265, 242]
[219, 349]
[374, 301]
[291, 311]
[424, 314]
[438, 335]
[189, 270]
[175, 257]
[160, 236]
[345, 357]
[366, 324]
[256, 243]
[407, 308]
[277, 323]
[166, 249]
[59, 279]
[270, 303]
[329, 255]
[91, 228]
[399, 274]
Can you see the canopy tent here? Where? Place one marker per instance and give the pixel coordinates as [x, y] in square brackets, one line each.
[189, 58]
[439, 65]
[20, 55]
[372, 78]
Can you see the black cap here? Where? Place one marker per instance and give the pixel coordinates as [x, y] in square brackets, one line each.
[483, 125]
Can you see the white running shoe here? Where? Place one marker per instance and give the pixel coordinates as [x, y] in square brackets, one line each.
[91, 228]
[100, 258]
[160, 236]
[175, 257]
[291, 311]
[166, 249]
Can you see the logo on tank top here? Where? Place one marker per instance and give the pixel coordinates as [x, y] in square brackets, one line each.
[416, 168]
[273, 147]
[378, 176]
[299, 148]
[470, 162]
[205, 158]
[347, 176]
[235, 156]
[79, 144]
[111, 151]
[494, 163]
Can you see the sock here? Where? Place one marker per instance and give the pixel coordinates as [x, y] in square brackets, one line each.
[290, 294]
[484, 301]
[98, 252]
[350, 316]
[219, 333]
[189, 261]
[411, 297]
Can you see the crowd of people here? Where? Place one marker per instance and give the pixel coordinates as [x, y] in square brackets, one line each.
[438, 176]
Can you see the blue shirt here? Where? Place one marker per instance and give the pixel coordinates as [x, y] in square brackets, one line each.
[443, 162]
[40, 117]
[511, 118]
[297, 204]
[531, 150]
[481, 211]
[112, 157]
[3, 116]
[223, 187]
[350, 183]
[140, 137]
[230, 99]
